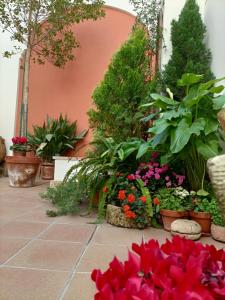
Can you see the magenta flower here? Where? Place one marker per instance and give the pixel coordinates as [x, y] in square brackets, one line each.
[157, 176]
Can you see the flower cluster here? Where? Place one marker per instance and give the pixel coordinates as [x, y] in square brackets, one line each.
[179, 269]
[19, 143]
[133, 205]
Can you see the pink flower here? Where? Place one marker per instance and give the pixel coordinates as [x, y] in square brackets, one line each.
[155, 164]
[157, 176]
[131, 177]
[168, 184]
[180, 179]
[167, 178]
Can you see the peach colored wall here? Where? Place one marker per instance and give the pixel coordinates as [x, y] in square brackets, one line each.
[69, 90]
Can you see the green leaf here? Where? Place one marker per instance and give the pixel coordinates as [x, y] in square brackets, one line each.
[217, 89]
[164, 99]
[202, 193]
[121, 154]
[208, 149]
[160, 138]
[180, 136]
[189, 79]
[142, 150]
[149, 117]
[159, 126]
[197, 126]
[211, 125]
[218, 102]
[49, 137]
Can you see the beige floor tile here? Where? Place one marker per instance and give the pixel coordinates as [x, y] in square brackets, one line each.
[99, 257]
[22, 284]
[9, 247]
[13, 212]
[81, 288]
[108, 234]
[36, 215]
[210, 241]
[50, 255]
[76, 219]
[68, 232]
[22, 229]
[156, 234]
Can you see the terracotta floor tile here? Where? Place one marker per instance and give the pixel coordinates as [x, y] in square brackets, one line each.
[76, 219]
[13, 212]
[68, 232]
[81, 288]
[50, 255]
[36, 215]
[9, 247]
[108, 234]
[22, 284]
[156, 234]
[22, 229]
[99, 256]
[210, 241]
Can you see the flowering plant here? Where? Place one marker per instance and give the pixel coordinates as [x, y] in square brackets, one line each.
[19, 143]
[156, 176]
[179, 269]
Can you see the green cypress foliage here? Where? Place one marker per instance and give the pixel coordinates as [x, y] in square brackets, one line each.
[123, 90]
[189, 53]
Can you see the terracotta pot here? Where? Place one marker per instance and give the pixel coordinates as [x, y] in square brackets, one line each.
[203, 219]
[47, 171]
[19, 153]
[22, 170]
[218, 232]
[30, 153]
[168, 216]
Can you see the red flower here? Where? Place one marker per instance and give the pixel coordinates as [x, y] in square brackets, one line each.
[126, 208]
[19, 140]
[105, 189]
[122, 195]
[130, 214]
[130, 177]
[131, 198]
[143, 199]
[156, 201]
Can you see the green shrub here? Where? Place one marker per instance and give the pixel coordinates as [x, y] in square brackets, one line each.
[125, 86]
[189, 53]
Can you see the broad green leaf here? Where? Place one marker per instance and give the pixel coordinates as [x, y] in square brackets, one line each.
[180, 136]
[128, 151]
[209, 84]
[202, 193]
[149, 117]
[197, 126]
[208, 149]
[171, 114]
[142, 150]
[218, 102]
[217, 89]
[159, 126]
[121, 154]
[211, 125]
[49, 137]
[160, 138]
[164, 99]
[189, 79]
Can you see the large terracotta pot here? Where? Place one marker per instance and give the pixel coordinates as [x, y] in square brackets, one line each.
[22, 170]
[203, 219]
[2, 149]
[47, 171]
[19, 153]
[168, 216]
[218, 232]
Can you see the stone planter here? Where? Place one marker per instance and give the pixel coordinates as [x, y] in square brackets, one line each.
[203, 219]
[22, 170]
[47, 171]
[115, 216]
[218, 233]
[168, 216]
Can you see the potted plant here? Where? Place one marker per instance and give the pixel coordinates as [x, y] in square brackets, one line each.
[55, 137]
[218, 225]
[19, 146]
[174, 204]
[22, 170]
[201, 210]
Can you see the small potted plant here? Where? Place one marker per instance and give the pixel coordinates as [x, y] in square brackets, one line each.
[218, 225]
[200, 212]
[174, 204]
[19, 146]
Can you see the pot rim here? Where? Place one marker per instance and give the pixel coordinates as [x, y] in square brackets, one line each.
[200, 214]
[22, 160]
[169, 212]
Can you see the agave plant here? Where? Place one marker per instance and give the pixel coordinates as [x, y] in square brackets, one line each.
[55, 137]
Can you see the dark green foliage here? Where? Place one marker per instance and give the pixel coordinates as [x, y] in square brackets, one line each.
[55, 137]
[189, 53]
[123, 90]
[66, 197]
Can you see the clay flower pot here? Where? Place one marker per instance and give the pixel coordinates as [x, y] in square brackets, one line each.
[47, 171]
[22, 170]
[218, 233]
[168, 216]
[203, 219]
[19, 153]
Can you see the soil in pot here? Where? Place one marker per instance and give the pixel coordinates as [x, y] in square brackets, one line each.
[203, 219]
[168, 216]
[47, 171]
[22, 170]
[218, 233]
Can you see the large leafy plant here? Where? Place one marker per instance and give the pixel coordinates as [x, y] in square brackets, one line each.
[55, 137]
[188, 129]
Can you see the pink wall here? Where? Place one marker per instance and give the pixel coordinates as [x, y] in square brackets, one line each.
[69, 90]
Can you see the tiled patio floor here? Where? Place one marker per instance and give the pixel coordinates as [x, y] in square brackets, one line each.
[44, 258]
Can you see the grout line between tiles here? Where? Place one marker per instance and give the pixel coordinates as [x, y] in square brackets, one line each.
[35, 269]
[73, 272]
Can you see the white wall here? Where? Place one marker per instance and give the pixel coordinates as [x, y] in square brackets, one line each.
[8, 89]
[122, 4]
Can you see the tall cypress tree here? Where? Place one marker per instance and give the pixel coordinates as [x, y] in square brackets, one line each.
[124, 88]
[189, 52]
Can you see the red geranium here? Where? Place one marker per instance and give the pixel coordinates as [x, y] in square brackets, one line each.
[131, 198]
[143, 199]
[122, 195]
[130, 214]
[156, 201]
[105, 189]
